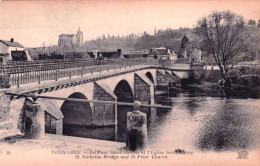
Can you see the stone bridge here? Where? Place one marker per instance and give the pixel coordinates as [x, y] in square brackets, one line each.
[125, 85]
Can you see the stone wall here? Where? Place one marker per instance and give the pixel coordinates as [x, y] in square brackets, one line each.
[177, 79]
[169, 77]
[162, 82]
[198, 73]
[161, 78]
[175, 76]
[4, 110]
[52, 115]
[4, 81]
[143, 91]
[198, 76]
[5, 121]
[104, 114]
[50, 123]
[4, 106]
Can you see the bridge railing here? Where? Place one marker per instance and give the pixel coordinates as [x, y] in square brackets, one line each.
[171, 63]
[39, 71]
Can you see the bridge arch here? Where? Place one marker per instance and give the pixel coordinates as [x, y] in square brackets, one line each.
[124, 93]
[76, 113]
[150, 76]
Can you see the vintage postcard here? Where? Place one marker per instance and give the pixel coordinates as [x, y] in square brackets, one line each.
[160, 82]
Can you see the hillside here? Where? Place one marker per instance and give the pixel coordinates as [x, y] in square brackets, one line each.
[167, 38]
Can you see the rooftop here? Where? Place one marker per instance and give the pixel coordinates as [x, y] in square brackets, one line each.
[66, 35]
[138, 52]
[12, 43]
[161, 51]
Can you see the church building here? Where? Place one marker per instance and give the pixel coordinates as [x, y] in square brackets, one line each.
[71, 40]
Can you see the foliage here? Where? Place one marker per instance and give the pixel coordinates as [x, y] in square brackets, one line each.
[167, 38]
[184, 41]
[224, 36]
[251, 22]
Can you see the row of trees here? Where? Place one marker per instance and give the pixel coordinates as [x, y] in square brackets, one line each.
[167, 38]
[253, 23]
[113, 37]
[160, 32]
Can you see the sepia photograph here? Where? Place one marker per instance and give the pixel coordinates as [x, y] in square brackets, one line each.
[130, 83]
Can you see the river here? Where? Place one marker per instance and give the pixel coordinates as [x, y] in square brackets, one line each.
[200, 120]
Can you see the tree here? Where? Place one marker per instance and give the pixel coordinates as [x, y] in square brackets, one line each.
[184, 44]
[103, 37]
[155, 32]
[224, 36]
[251, 22]
[258, 25]
[184, 41]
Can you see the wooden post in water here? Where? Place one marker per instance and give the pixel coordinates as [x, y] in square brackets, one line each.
[136, 136]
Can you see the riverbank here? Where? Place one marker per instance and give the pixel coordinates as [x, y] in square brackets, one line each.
[214, 86]
[245, 81]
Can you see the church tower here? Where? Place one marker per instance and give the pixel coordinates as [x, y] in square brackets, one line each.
[79, 38]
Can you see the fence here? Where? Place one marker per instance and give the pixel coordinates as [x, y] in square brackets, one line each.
[38, 71]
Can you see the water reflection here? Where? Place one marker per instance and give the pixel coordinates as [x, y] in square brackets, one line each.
[200, 119]
[103, 133]
[209, 120]
[233, 126]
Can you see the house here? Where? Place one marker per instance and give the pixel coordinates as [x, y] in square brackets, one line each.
[67, 40]
[71, 40]
[163, 53]
[137, 54]
[96, 54]
[11, 50]
[192, 53]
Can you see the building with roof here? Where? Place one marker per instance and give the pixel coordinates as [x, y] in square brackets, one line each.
[136, 54]
[163, 53]
[192, 53]
[11, 50]
[71, 40]
[96, 54]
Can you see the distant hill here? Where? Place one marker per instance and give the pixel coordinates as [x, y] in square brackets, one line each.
[167, 38]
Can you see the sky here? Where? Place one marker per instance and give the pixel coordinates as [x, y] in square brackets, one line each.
[33, 22]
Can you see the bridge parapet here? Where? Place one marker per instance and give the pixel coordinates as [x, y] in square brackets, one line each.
[30, 72]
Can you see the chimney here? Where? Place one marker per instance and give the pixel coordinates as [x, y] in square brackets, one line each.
[12, 40]
[119, 51]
